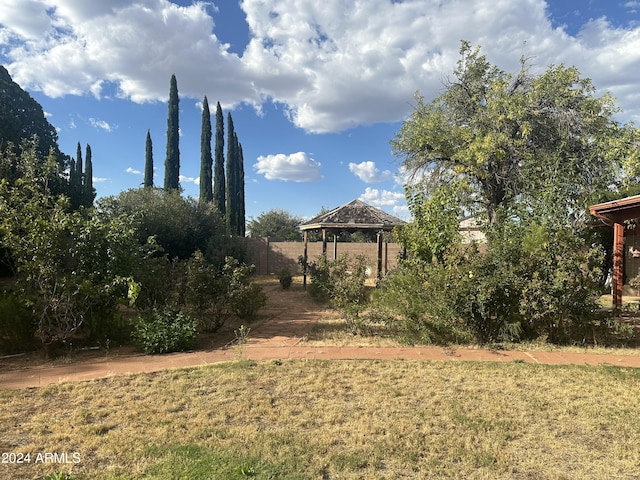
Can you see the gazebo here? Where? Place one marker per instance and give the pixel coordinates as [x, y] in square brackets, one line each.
[355, 216]
[615, 214]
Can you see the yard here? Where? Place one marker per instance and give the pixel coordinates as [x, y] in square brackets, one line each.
[334, 419]
[330, 419]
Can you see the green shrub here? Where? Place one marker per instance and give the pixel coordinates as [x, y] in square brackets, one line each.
[164, 331]
[342, 282]
[16, 325]
[285, 278]
[416, 304]
[245, 298]
[207, 293]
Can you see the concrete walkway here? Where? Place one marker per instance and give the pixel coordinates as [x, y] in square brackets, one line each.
[280, 339]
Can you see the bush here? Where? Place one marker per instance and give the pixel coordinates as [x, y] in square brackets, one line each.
[285, 278]
[164, 331]
[342, 282]
[207, 293]
[416, 304]
[245, 298]
[16, 325]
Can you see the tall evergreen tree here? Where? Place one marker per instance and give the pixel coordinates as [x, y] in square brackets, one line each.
[172, 161]
[148, 163]
[88, 192]
[231, 177]
[206, 161]
[219, 182]
[241, 203]
[79, 163]
[73, 182]
[75, 179]
[235, 185]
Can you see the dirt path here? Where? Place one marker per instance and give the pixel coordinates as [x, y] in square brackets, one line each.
[288, 318]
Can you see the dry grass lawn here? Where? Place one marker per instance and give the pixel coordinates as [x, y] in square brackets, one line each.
[334, 420]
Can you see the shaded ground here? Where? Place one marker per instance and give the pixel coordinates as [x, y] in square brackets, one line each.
[277, 334]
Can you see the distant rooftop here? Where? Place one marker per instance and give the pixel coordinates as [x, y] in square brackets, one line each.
[352, 216]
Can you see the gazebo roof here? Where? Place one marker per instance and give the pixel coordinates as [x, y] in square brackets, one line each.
[352, 216]
[618, 210]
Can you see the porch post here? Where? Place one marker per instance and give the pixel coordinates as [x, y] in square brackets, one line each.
[324, 242]
[379, 254]
[618, 256]
[304, 260]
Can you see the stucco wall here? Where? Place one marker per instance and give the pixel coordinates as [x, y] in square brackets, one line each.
[270, 255]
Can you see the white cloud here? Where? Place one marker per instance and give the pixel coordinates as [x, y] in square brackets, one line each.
[297, 167]
[379, 198]
[331, 65]
[101, 124]
[368, 172]
[133, 170]
[135, 45]
[25, 19]
[99, 179]
[185, 179]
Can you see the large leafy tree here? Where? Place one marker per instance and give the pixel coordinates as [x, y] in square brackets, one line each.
[179, 225]
[537, 140]
[21, 117]
[276, 223]
[206, 161]
[148, 162]
[219, 182]
[172, 160]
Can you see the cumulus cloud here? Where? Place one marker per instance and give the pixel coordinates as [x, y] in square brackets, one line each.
[185, 179]
[379, 198]
[101, 124]
[331, 65]
[133, 170]
[368, 172]
[133, 45]
[296, 167]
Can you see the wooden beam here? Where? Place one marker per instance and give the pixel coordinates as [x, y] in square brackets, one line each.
[379, 238]
[618, 265]
[304, 260]
[324, 242]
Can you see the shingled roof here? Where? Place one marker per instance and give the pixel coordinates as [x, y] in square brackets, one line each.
[352, 216]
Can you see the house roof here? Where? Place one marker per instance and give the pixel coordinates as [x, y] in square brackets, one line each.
[617, 211]
[355, 215]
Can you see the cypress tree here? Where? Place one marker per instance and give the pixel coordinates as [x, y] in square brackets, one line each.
[241, 203]
[231, 165]
[75, 179]
[206, 161]
[219, 182]
[73, 182]
[88, 192]
[148, 163]
[79, 164]
[172, 161]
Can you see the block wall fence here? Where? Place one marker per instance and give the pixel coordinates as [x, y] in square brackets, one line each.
[272, 255]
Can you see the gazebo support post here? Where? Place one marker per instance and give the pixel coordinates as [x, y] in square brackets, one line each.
[304, 260]
[335, 246]
[618, 257]
[324, 242]
[379, 238]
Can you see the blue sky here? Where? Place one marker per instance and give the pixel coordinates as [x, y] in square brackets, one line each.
[317, 88]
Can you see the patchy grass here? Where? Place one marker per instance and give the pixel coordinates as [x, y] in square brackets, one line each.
[334, 420]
